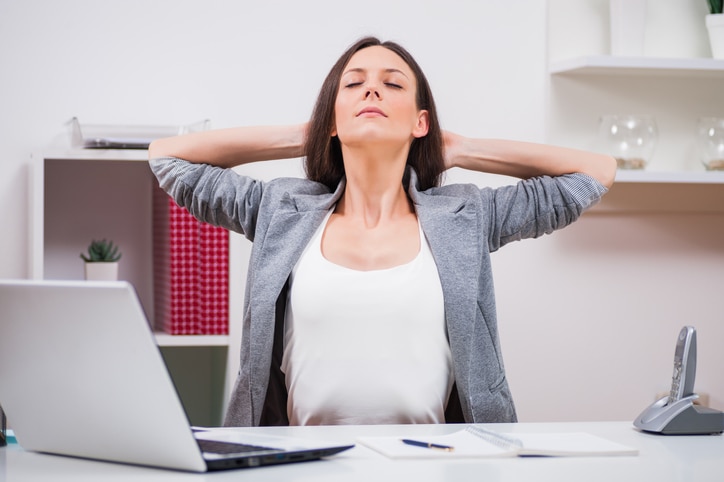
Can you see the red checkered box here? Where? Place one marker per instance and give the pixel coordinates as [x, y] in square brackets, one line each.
[191, 272]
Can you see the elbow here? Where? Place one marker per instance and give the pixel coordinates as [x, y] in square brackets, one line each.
[608, 175]
[164, 147]
[605, 170]
[155, 149]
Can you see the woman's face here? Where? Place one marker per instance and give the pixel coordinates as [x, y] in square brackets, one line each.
[376, 100]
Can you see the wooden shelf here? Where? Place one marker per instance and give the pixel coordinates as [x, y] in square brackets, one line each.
[641, 66]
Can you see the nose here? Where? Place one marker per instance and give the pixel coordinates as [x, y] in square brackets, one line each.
[371, 91]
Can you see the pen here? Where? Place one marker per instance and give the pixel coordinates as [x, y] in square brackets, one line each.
[427, 445]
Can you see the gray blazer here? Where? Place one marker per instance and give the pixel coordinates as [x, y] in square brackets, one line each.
[463, 225]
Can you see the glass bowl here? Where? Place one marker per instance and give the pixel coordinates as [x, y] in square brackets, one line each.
[631, 139]
[710, 140]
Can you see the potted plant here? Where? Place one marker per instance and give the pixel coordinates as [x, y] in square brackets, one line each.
[101, 262]
[715, 25]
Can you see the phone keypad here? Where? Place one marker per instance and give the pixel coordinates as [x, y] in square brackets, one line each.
[675, 381]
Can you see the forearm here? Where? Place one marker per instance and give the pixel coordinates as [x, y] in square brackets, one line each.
[525, 160]
[234, 146]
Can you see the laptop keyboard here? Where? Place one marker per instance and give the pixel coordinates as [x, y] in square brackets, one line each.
[217, 447]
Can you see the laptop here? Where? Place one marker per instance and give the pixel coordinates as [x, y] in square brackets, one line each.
[81, 375]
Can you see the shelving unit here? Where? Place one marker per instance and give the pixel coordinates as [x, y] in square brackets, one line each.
[651, 252]
[674, 91]
[582, 87]
[82, 194]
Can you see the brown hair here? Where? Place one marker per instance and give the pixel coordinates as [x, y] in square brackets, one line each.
[323, 152]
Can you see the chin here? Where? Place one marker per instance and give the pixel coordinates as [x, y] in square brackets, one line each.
[371, 136]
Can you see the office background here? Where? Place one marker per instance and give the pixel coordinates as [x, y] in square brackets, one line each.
[588, 317]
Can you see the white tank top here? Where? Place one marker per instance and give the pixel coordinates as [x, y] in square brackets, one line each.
[365, 347]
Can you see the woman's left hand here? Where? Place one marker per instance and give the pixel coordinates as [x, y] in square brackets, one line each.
[452, 148]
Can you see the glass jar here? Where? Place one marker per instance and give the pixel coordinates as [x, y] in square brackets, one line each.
[631, 139]
[710, 140]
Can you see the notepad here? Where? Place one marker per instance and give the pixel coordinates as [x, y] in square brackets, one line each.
[478, 442]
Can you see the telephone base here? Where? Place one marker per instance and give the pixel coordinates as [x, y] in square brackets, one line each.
[681, 417]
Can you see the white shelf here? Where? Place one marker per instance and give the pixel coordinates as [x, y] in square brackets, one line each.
[60, 148]
[679, 177]
[642, 66]
[99, 155]
[164, 339]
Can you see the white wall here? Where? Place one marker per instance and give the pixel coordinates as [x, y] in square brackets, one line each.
[241, 62]
[178, 61]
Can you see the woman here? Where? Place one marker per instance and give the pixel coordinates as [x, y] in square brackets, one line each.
[369, 294]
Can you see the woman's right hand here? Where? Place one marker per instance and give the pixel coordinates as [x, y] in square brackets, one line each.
[234, 146]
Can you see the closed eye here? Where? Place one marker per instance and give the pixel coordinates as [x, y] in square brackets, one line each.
[353, 84]
[394, 86]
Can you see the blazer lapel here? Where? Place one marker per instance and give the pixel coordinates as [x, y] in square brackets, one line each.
[290, 228]
[451, 226]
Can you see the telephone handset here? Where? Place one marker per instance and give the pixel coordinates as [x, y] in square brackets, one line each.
[682, 380]
[677, 413]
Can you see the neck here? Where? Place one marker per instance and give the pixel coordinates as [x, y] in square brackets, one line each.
[374, 190]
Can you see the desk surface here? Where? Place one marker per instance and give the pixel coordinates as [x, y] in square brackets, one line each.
[660, 459]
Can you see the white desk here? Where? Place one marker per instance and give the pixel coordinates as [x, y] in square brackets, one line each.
[660, 459]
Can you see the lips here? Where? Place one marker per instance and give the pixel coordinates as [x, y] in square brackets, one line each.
[371, 111]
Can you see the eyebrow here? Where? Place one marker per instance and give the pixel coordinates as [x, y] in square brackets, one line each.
[361, 70]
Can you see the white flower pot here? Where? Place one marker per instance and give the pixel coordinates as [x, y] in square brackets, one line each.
[715, 25]
[101, 271]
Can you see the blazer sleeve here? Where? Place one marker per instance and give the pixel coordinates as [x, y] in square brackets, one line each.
[211, 194]
[538, 206]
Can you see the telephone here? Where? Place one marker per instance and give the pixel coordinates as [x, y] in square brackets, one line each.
[676, 413]
[682, 381]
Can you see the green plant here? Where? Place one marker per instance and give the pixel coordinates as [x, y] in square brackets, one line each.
[715, 6]
[101, 252]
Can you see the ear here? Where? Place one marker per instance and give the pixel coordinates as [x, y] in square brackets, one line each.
[423, 124]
